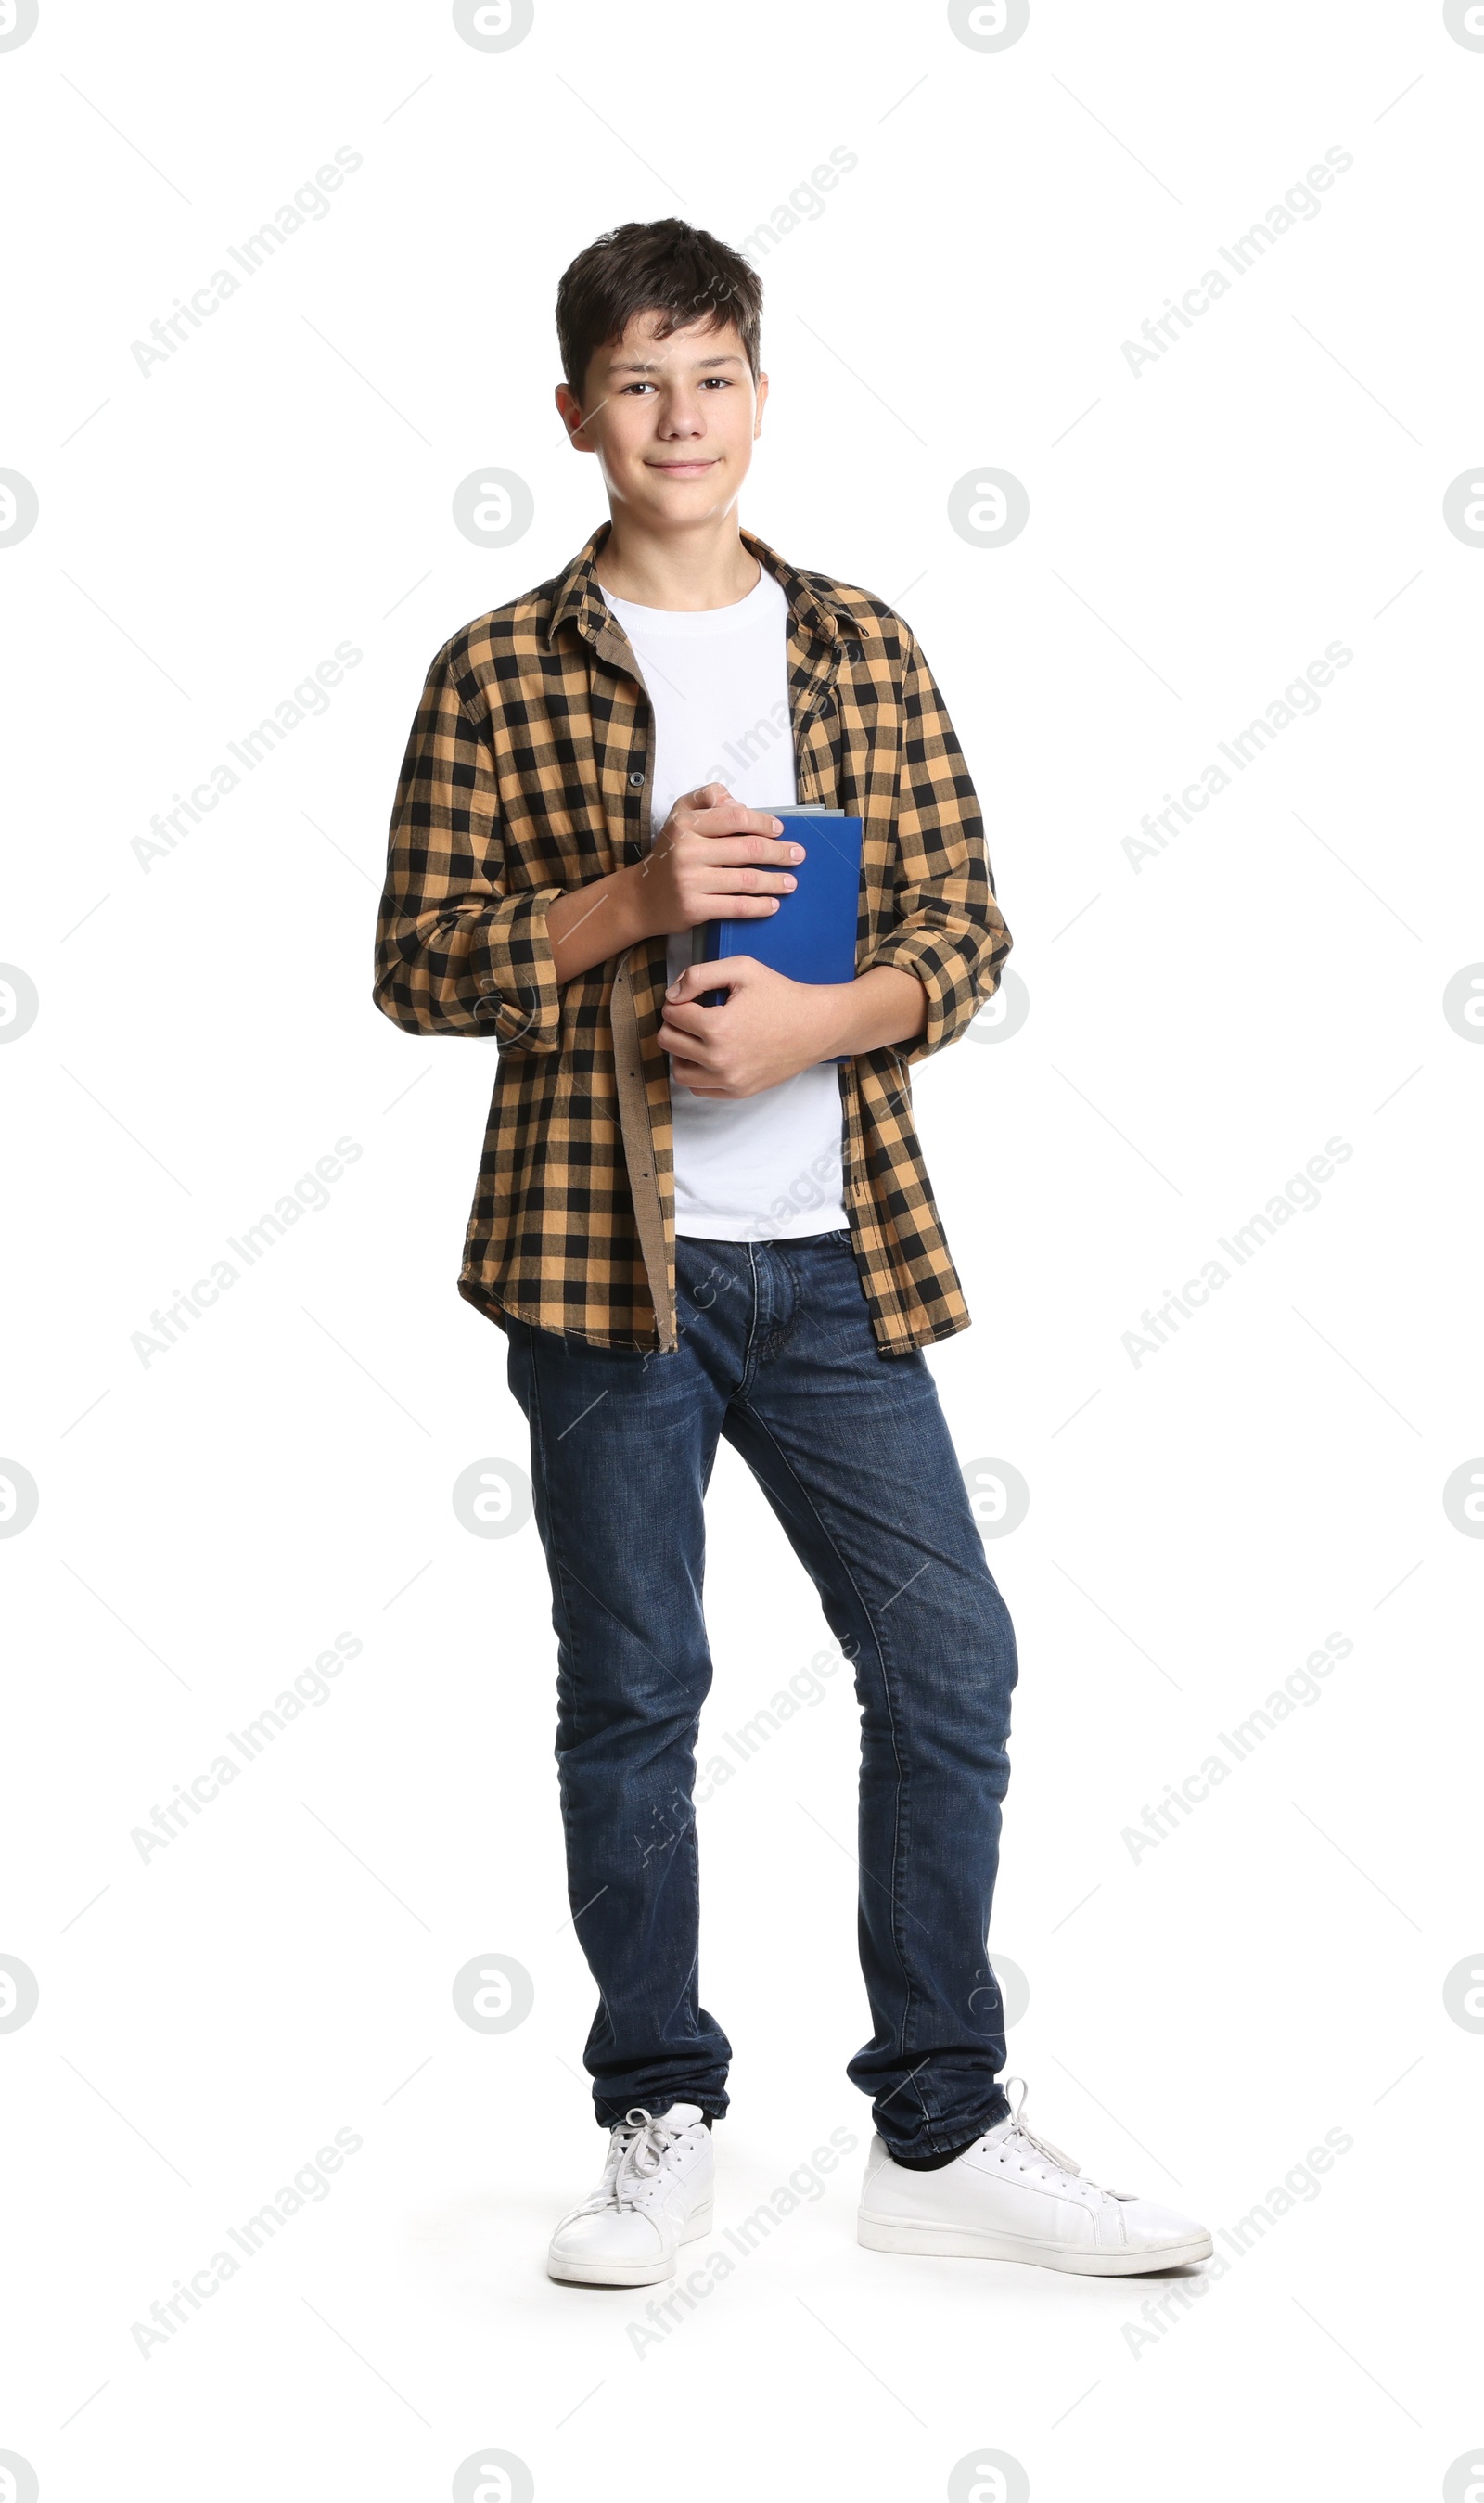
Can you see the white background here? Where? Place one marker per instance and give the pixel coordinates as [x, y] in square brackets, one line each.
[1198, 1029]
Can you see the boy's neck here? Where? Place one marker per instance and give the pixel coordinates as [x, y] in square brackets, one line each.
[707, 568]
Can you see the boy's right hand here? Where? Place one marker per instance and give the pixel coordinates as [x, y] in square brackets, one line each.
[712, 861]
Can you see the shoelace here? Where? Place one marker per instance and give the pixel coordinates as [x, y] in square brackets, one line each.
[640, 2142]
[1028, 2136]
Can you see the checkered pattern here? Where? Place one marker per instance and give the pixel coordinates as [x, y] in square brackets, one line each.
[529, 771]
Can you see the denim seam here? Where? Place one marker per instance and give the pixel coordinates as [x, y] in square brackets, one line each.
[559, 1574]
[752, 1349]
[898, 1840]
[693, 1976]
[964, 2144]
[557, 1566]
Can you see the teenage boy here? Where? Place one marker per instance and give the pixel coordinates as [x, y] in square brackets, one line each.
[694, 1221]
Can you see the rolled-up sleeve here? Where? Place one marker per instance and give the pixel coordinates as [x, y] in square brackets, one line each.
[948, 929]
[458, 951]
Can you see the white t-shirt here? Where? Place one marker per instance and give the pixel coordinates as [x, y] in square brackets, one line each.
[754, 1167]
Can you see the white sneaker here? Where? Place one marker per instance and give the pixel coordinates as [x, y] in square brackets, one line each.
[1012, 2197]
[655, 2194]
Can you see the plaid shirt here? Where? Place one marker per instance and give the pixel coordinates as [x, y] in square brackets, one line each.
[529, 771]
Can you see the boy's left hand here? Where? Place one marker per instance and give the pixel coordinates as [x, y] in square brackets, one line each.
[769, 1029]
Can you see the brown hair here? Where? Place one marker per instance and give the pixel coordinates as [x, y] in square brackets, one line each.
[668, 268]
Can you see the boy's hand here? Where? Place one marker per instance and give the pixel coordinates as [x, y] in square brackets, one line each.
[768, 1030]
[713, 860]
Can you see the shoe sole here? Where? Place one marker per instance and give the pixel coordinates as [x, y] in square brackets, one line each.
[628, 2272]
[964, 2242]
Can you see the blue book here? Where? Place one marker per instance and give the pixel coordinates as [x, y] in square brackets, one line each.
[811, 938]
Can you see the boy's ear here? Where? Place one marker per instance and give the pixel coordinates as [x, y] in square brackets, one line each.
[569, 409]
[762, 393]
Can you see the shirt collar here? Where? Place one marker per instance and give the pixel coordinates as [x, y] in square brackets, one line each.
[580, 594]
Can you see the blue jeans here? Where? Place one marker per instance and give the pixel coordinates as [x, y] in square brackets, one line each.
[851, 1449]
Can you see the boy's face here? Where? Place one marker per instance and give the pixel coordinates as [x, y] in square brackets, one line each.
[672, 421]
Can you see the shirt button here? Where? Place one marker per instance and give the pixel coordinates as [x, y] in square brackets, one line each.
[635, 782]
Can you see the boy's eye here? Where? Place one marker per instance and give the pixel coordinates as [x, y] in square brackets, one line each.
[709, 382]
